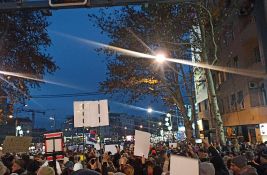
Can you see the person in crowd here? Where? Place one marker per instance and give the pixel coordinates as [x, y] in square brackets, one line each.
[68, 168]
[57, 168]
[78, 164]
[17, 167]
[46, 170]
[86, 172]
[206, 168]
[216, 160]
[33, 167]
[251, 159]
[128, 169]
[240, 167]
[166, 163]
[262, 169]
[3, 169]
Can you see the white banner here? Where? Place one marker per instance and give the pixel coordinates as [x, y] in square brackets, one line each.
[111, 148]
[183, 165]
[91, 113]
[142, 143]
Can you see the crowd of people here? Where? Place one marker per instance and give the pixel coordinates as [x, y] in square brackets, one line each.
[231, 159]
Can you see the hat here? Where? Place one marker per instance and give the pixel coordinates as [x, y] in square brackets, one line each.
[240, 161]
[206, 168]
[69, 164]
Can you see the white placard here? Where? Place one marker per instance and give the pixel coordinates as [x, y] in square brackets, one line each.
[173, 145]
[111, 148]
[183, 165]
[97, 146]
[78, 114]
[104, 119]
[50, 145]
[91, 113]
[142, 143]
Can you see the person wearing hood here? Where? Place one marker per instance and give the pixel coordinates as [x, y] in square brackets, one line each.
[240, 167]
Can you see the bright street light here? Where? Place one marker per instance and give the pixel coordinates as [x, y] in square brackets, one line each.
[149, 110]
[51, 118]
[141, 126]
[160, 123]
[167, 124]
[160, 58]
[169, 128]
[28, 131]
[168, 115]
[18, 128]
[125, 127]
[166, 119]
[10, 116]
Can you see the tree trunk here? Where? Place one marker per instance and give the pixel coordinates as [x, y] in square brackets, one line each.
[211, 89]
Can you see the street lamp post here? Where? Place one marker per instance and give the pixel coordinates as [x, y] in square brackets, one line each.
[149, 111]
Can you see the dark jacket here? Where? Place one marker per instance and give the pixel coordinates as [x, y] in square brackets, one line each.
[217, 161]
[262, 169]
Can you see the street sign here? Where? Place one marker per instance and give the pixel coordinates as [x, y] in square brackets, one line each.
[91, 113]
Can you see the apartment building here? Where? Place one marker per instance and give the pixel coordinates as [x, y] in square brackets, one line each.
[242, 99]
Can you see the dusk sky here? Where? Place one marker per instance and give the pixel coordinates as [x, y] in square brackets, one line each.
[80, 67]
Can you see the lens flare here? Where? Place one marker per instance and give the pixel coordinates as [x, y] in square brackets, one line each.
[237, 71]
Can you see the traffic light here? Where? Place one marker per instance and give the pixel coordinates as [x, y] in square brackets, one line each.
[65, 3]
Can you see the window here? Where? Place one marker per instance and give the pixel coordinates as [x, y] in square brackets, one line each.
[233, 102]
[257, 56]
[229, 75]
[236, 64]
[221, 106]
[199, 107]
[206, 104]
[240, 99]
[219, 78]
[263, 94]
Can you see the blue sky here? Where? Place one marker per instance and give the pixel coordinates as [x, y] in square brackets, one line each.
[80, 66]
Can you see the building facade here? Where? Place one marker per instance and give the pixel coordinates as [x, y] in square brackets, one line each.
[242, 99]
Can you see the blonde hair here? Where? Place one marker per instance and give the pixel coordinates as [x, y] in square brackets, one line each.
[46, 170]
[128, 169]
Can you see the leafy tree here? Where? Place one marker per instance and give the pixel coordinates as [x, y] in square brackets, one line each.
[23, 43]
[150, 29]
